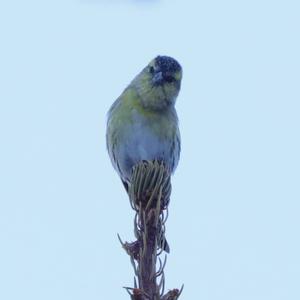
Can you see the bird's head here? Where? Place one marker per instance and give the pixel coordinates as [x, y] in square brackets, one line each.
[159, 83]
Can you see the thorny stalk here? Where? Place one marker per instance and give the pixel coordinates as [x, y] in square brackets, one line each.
[149, 194]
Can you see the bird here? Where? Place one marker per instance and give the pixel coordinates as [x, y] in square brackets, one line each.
[142, 123]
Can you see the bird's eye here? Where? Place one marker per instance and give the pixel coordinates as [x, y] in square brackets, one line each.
[169, 79]
[151, 69]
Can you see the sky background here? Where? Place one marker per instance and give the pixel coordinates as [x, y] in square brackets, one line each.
[234, 214]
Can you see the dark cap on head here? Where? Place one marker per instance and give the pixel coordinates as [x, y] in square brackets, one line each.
[167, 64]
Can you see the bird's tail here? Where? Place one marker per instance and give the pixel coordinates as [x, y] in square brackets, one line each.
[164, 245]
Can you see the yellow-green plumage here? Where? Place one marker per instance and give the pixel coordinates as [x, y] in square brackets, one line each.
[142, 123]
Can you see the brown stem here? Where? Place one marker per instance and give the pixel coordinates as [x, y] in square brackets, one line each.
[148, 255]
[149, 193]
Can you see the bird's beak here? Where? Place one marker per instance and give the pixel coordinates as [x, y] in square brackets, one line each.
[157, 78]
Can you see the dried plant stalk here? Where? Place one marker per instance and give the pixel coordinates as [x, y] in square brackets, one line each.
[149, 194]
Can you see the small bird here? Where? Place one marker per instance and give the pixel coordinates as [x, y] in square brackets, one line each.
[142, 123]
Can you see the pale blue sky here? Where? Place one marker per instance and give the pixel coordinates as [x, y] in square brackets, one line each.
[234, 213]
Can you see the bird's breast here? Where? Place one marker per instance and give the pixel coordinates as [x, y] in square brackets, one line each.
[148, 136]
